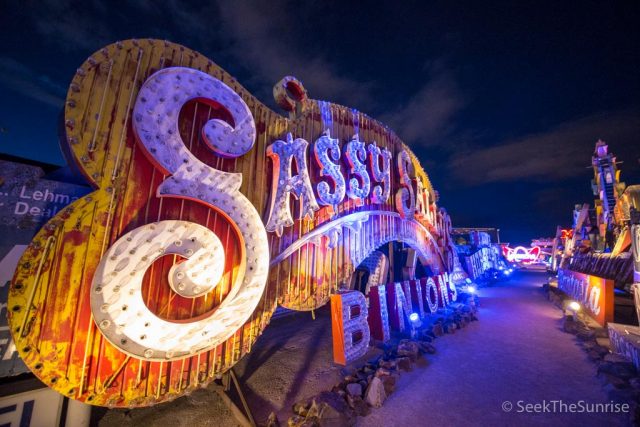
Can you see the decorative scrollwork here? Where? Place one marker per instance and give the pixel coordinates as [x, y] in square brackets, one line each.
[142, 333]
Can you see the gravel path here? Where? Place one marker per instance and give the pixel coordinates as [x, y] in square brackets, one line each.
[516, 352]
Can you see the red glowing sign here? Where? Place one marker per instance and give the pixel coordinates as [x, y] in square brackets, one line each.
[521, 254]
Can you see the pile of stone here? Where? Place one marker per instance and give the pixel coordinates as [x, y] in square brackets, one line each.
[619, 376]
[368, 386]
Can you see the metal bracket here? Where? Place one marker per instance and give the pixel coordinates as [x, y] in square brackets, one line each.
[228, 380]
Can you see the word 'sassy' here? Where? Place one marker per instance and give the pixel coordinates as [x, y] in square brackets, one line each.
[369, 175]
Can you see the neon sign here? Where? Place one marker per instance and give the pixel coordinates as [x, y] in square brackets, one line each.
[392, 307]
[520, 254]
[165, 275]
[595, 293]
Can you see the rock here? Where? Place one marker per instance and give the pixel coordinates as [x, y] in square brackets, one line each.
[389, 383]
[334, 410]
[569, 325]
[388, 364]
[586, 334]
[361, 375]
[409, 349]
[301, 408]
[381, 372]
[314, 410]
[368, 370]
[404, 363]
[346, 372]
[374, 361]
[329, 417]
[295, 421]
[450, 327]
[354, 389]
[375, 395]
[602, 351]
[426, 337]
[337, 389]
[351, 379]
[332, 399]
[613, 380]
[437, 330]
[272, 421]
[594, 355]
[358, 405]
[623, 370]
[428, 347]
[615, 358]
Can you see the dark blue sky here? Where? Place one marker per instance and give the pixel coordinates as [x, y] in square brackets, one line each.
[503, 103]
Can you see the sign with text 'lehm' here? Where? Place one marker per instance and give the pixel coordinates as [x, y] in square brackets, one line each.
[594, 293]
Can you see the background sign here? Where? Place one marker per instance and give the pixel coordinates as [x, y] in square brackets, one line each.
[37, 408]
[594, 293]
[27, 201]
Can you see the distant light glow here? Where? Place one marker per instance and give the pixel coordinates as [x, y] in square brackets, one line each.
[521, 254]
[574, 306]
[471, 289]
[414, 317]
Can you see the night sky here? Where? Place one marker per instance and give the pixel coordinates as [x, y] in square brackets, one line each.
[503, 103]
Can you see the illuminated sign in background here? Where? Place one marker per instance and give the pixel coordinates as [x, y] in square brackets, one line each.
[594, 293]
[480, 261]
[209, 210]
[27, 201]
[521, 254]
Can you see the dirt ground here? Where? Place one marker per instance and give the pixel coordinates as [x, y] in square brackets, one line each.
[516, 352]
[291, 361]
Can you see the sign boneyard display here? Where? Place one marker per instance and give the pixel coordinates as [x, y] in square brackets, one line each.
[209, 210]
[594, 293]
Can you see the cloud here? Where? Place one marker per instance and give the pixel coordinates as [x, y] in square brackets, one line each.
[261, 40]
[71, 25]
[22, 79]
[257, 36]
[560, 153]
[427, 118]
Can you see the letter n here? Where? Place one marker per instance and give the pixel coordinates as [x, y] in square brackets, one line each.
[442, 280]
[416, 296]
[399, 306]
